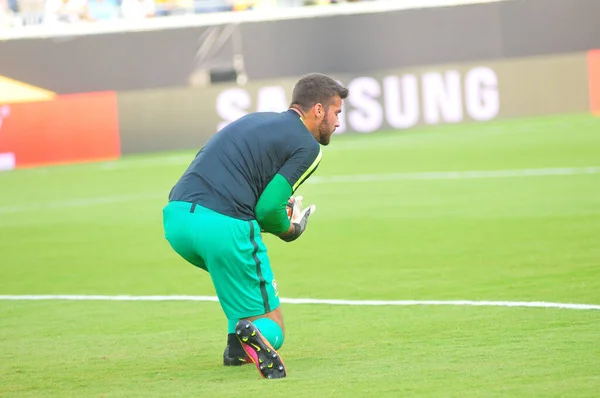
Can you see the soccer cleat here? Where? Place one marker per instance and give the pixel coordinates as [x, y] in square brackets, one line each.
[267, 360]
[235, 360]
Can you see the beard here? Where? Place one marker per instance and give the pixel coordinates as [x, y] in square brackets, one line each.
[325, 132]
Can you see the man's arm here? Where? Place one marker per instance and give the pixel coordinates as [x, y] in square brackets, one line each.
[270, 209]
[271, 212]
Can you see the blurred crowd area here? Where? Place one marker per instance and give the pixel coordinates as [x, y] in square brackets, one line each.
[19, 13]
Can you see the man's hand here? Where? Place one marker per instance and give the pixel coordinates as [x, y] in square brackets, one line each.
[298, 217]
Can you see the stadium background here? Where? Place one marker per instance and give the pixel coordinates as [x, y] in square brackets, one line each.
[170, 88]
[454, 250]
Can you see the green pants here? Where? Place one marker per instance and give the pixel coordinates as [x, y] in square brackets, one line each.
[231, 250]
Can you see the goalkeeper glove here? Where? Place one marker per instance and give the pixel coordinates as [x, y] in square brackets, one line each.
[298, 217]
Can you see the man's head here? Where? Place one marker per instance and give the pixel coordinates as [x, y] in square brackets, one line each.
[319, 99]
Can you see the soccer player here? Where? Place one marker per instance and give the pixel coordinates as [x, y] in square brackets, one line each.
[241, 183]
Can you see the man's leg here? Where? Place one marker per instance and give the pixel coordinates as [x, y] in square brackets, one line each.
[270, 326]
[261, 337]
[263, 334]
[234, 354]
[179, 227]
[246, 288]
[267, 360]
[242, 277]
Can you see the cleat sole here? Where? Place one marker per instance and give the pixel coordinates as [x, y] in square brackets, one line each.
[267, 361]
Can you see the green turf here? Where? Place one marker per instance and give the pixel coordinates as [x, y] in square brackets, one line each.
[96, 229]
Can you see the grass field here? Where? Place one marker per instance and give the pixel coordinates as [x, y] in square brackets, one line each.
[392, 223]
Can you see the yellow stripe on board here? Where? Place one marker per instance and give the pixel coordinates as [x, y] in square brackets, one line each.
[312, 168]
[13, 91]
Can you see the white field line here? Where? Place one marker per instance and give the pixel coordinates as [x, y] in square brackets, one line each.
[456, 175]
[123, 164]
[354, 178]
[534, 304]
[81, 202]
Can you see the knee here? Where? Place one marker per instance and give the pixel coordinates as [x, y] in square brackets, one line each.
[271, 330]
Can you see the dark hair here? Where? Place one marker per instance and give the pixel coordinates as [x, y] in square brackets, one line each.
[316, 88]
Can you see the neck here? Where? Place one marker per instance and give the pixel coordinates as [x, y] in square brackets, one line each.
[308, 123]
[298, 111]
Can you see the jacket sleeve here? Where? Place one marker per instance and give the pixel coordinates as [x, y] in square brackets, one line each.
[270, 209]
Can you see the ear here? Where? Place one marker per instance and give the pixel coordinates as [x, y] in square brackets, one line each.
[319, 110]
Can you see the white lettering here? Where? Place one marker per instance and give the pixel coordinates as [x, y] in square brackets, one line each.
[232, 104]
[442, 97]
[367, 115]
[401, 101]
[272, 99]
[482, 99]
